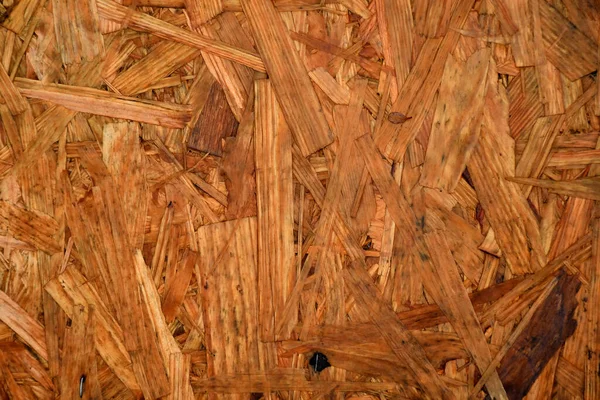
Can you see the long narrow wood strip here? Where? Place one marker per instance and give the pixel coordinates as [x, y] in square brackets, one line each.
[539, 143]
[155, 3]
[296, 95]
[281, 380]
[21, 15]
[201, 12]
[400, 31]
[305, 174]
[176, 287]
[347, 131]
[238, 166]
[79, 357]
[231, 5]
[124, 157]
[113, 11]
[459, 309]
[29, 330]
[522, 41]
[274, 197]
[597, 104]
[34, 17]
[551, 93]
[337, 93]
[356, 340]
[12, 132]
[108, 104]
[235, 79]
[371, 67]
[179, 372]
[167, 343]
[574, 223]
[9, 46]
[37, 182]
[525, 106]
[106, 218]
[569, 159]
[232, 283]
[585, 188]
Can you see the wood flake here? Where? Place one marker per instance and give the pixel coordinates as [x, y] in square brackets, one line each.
[454, 133]
[291, 83]
[105, 103]
[274, 197]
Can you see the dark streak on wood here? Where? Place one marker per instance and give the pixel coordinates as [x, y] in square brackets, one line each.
[216, 122]
[550, 327]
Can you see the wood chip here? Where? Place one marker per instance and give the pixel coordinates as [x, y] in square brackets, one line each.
[274, 197]
[448, 152]
[290, 79]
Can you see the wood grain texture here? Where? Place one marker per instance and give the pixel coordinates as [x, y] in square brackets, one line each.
[455, 131]
[563, 41]
[215, 123]
[70, 289]
[78, 36]
[165, 58]
[206, 198]
[420, 87]
[275, 199]
[229, 282]
[291, 83]
[506, 207]
[540, 340]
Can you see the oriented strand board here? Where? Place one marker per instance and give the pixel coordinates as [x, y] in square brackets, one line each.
[210, 198]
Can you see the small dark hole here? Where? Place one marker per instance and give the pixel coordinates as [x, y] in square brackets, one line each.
[368, 244]
[319, 362]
